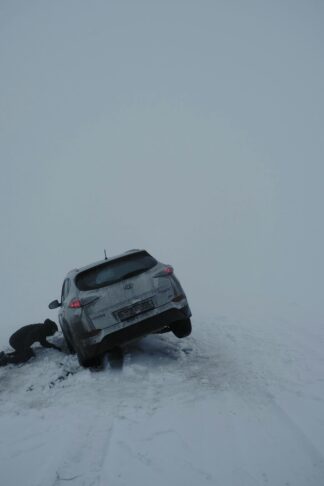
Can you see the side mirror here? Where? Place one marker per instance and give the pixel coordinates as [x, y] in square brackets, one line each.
[54, 304]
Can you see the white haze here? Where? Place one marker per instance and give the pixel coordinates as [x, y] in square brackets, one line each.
[191, 129]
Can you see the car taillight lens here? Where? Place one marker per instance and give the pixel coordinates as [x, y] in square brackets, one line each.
[168, 270]
[165, 272]
[75, 304]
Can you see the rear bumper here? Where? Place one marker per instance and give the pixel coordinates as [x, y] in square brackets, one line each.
[136, 330]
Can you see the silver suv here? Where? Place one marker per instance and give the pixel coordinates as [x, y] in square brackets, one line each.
[111, 302]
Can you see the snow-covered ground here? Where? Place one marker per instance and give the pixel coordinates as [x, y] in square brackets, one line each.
[234, 404]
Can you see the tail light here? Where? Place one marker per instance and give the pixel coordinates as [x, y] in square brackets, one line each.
[167, 270]
[75, 304]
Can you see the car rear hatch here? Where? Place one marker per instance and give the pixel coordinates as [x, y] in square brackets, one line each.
[122, 289]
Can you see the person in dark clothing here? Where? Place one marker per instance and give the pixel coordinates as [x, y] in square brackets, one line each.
[22, 340]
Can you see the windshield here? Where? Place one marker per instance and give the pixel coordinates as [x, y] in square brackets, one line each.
[114, 271]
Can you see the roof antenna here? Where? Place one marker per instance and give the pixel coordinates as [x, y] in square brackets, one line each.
[105, 255]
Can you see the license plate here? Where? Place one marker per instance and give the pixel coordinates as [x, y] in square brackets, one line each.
[135, 309]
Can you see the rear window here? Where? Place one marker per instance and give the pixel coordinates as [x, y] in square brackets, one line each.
[115, 271]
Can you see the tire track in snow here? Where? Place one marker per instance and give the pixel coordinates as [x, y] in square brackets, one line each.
[83, 466]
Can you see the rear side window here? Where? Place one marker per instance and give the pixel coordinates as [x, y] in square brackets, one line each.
[115, 271]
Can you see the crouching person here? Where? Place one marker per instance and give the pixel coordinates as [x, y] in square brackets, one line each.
[22, 340]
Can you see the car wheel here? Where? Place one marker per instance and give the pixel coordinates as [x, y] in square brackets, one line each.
[181, 328]
[95, 363]
[82, 360]
[68, 341]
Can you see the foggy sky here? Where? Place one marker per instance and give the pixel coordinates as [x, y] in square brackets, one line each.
[192, 129]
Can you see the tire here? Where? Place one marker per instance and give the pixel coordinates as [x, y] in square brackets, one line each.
[181, 328]
[68, 341]
[95, 363]
[83, 359]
